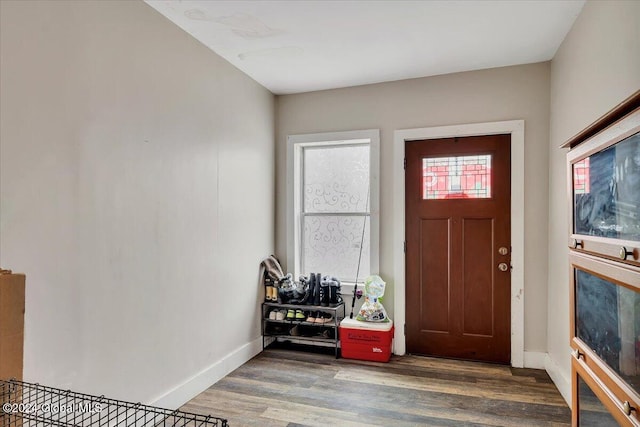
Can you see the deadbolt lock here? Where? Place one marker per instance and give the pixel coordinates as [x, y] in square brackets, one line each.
[503, 250]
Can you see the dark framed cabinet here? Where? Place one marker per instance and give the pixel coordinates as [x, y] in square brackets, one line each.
[604, 253]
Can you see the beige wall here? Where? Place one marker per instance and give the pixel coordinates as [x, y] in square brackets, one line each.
[136, 193]
[509, 93]
[596, 67]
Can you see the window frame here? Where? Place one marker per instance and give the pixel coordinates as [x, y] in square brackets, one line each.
[295, 148]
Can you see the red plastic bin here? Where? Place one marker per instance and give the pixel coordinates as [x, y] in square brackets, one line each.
[366, 340]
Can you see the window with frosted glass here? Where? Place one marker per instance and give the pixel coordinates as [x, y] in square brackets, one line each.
[335, 219]
[460, 177]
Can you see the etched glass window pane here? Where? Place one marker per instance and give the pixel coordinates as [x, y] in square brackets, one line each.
[461, 177]
[608, 321]
[606, 192]
[336, 178]
[331, 245]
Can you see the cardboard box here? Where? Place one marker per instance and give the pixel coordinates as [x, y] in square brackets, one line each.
[366, 340]
[12, 293]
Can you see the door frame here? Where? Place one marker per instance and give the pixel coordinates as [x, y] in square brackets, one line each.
[516, 129]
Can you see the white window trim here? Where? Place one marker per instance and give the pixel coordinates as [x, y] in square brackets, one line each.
[295, 143]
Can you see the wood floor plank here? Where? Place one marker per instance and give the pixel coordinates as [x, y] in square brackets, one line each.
[487, 391]
[280, 387]
[453, 365]
[465, 375]
[424, 402]
[382, 406]
[418, 409]
[287, 411]
[538, 375]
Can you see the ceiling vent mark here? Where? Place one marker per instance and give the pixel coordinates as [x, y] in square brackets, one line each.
[248, 26]
[196, 15]
[278, 52]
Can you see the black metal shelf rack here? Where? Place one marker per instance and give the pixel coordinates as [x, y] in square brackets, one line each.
[29, 404]
[269, 334]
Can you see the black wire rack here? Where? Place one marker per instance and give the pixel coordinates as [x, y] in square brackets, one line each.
[28, 404]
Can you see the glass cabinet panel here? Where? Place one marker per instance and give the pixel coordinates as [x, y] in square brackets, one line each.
[606, 192]
[592, 413]
[608, 321]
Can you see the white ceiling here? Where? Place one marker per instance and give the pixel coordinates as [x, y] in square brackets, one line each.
[300, 46]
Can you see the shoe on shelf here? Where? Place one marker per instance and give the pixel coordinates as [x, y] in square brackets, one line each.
[316, 294]
[327, 333]
[319, 315]
[294, 331]
[324, 294]
[311, 317]
[271, 293]
[300, 315]
[334, 295]
[291, 315]
[272, 314]
[324, 318]
[280, 314]
[276, 329]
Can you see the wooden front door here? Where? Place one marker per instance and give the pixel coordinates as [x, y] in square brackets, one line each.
[458, 247]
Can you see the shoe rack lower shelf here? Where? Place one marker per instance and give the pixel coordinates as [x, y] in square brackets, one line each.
[301, 331]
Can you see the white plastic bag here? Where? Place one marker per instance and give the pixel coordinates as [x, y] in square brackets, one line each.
[372, 310]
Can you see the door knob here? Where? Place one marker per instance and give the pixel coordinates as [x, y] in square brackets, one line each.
[503, 266]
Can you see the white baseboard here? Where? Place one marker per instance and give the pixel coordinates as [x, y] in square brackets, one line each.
[195, 385]
[534, 359]
[559, 379]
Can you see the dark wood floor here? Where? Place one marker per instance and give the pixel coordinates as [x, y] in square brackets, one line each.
[281, 387]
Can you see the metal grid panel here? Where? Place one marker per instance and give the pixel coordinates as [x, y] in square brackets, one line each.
[28, 404]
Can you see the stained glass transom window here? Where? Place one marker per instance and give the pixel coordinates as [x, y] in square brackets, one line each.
[460, 177]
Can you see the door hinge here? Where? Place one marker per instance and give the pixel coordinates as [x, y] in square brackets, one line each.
[405, 329]
[405, 246]
[405, 163]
